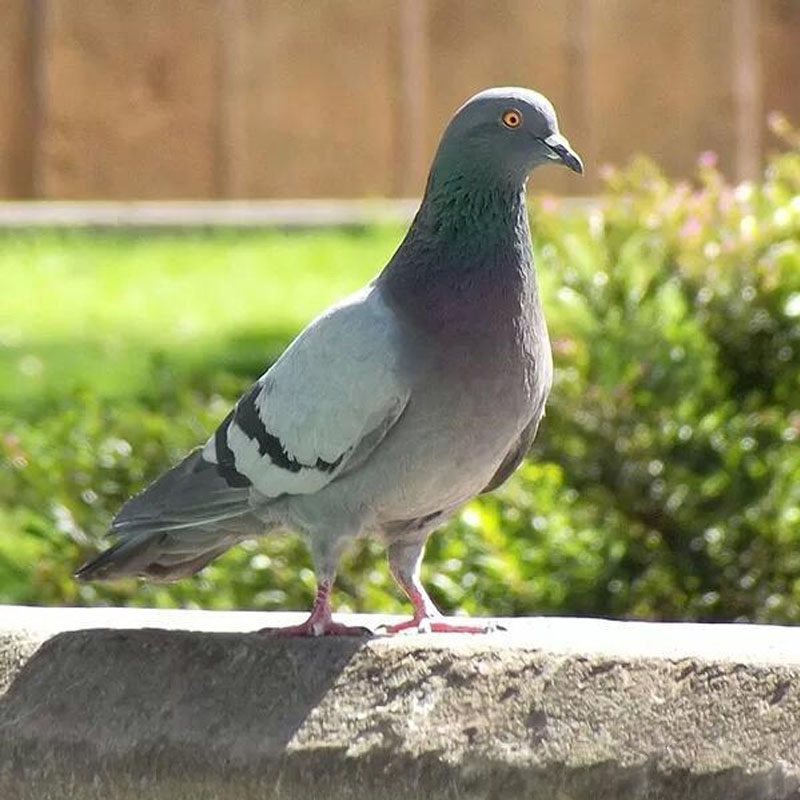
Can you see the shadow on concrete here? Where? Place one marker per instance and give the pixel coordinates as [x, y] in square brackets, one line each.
[243, 695]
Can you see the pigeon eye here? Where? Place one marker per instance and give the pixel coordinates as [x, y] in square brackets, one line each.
[512, 118]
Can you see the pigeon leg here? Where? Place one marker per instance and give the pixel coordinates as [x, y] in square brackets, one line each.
[325, 553]
[320, 621]
[404, 562]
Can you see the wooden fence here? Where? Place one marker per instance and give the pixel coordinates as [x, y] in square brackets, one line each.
[346, 98]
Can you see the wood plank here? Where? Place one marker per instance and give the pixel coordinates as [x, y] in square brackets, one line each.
[780, 60]
[662, 81]
[312, 99]
[747, 83]
[18, 89]
[130, 98]
[413, 91]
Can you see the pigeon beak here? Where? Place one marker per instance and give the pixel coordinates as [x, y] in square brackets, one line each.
[563, 152]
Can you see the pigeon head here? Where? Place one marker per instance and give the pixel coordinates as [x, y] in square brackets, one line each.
[500, 135]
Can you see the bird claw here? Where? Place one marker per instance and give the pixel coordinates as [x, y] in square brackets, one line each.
[425, 625]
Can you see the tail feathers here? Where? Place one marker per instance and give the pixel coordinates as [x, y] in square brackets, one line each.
[191, 493]
[153, 557]
[176, 526]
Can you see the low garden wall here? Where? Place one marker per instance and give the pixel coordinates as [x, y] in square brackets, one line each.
[122, 703]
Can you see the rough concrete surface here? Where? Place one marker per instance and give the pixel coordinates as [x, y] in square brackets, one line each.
[554, 708]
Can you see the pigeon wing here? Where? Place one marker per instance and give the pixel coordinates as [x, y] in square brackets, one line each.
[321, 409]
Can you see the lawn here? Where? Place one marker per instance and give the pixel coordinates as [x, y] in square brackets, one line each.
[105, 312]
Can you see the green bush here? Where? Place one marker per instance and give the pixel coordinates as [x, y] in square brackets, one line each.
[665, 481]
[676, 323]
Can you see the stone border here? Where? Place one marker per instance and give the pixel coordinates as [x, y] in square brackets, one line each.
[206, 214]
[219, 213]
[552, 709]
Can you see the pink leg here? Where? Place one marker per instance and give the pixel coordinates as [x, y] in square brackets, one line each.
[320, 621]
[404, 562]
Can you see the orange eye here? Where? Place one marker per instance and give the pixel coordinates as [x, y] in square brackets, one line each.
[512, 118]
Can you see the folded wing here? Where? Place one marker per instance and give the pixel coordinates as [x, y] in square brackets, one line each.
[322, 407]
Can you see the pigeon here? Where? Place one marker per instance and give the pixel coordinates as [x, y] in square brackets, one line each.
[395, 406]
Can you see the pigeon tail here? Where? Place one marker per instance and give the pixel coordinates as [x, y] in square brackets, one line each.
[152, 557]
[176, 526]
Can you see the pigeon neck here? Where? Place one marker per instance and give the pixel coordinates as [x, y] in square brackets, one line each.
[472, 210]
[466, 258]
[465, 224]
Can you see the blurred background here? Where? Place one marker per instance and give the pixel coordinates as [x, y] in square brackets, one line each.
[346, 98]
[665, 480]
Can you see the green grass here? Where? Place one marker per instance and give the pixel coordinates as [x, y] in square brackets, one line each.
[109, 313]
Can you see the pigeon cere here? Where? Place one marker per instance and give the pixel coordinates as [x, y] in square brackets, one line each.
[395, 406]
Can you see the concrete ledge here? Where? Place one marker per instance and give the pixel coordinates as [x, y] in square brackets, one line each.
[179, 214]
[561, 709]
[205, 214]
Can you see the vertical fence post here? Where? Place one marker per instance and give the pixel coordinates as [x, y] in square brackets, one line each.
[227, 134]
[37, 87]
[747, 88]
[579, 77]
[413, 95]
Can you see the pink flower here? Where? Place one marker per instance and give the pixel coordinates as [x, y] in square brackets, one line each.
[725, 201]
[778, 123]
[691, 228]
[708, 159]
[549, 203]
[564, 346]
[607, 172]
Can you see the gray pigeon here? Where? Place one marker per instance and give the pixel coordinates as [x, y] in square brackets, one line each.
[392, 408]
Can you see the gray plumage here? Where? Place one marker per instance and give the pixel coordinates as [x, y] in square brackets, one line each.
[399, 404]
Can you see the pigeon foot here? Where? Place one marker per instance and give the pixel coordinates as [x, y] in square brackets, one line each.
[404, 563]
[319, 622]
[437, 625]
